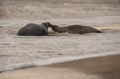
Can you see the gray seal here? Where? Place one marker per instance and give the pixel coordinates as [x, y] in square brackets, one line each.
[32, 29]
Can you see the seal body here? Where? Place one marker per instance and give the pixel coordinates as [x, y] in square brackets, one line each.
[79, 29]
[75, 29]
[32, 29]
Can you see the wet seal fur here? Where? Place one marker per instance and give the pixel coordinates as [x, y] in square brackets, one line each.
[32, 29]
[74, 29]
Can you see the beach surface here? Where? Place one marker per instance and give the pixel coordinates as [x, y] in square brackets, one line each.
[105, 67]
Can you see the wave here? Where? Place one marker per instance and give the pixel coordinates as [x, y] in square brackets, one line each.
[40, 9]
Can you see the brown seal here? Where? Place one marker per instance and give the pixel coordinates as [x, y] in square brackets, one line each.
[74, 29]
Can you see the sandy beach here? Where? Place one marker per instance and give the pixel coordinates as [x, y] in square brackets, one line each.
[106, 67]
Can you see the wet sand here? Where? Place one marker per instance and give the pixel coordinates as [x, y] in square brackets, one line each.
[106, 67]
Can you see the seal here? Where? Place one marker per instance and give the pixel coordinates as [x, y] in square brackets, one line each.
[32, 29]
[75, 29]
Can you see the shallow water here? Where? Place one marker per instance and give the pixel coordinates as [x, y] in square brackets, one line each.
[16, 52]
[19, 51]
